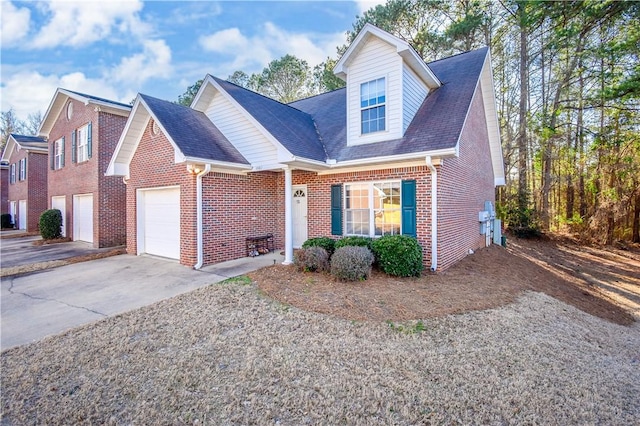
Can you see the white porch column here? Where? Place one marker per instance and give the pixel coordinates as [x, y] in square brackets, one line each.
[288, 218]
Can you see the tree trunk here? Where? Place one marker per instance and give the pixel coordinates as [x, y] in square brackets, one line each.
[523, 193]
[635, 233]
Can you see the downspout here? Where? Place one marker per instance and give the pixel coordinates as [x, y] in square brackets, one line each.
[207, 169]
[434, 214]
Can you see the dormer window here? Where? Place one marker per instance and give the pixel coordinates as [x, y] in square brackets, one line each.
[373, 106]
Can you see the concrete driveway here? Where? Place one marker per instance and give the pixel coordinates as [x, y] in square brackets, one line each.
[49, 302]
[21, 251]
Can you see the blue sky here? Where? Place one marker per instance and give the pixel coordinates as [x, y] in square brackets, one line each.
[115, 49]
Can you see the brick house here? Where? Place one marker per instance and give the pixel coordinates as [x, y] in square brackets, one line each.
[82, 132]
[27, 189]
[4, 187]
[405, 148]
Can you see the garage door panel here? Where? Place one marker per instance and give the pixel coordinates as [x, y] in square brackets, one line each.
[161, 222]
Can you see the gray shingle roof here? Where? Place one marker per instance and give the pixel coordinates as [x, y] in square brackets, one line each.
[96, 98]
[30, 141]
[193, 132]
[437, 124]
[293, 128]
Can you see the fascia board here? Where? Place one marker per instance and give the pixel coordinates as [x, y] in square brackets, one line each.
[215, 163]
[8, 149]
[48, 120]
[438, 153]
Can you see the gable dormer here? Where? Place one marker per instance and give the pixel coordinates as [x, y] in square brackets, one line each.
[387, 81]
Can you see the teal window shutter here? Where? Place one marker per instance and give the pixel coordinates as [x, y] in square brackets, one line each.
[89, 140]
[74, 150]
[62, 152]
[336, 209]
[409, 208]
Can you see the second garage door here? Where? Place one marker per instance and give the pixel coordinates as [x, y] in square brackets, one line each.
[159, 222]
[83, 218]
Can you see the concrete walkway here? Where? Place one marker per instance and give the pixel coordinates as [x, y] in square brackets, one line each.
[49, 302]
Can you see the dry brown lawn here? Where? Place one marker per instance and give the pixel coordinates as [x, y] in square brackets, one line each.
[526, 347]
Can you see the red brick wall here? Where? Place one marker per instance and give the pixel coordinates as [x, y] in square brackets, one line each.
[153, 166]
[88, 177]
[236, 207]
[111, 216]
[464, 184]
[4, 189]
[319, 198]
[33, 188]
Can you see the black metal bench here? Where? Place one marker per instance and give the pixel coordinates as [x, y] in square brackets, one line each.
[260, 244]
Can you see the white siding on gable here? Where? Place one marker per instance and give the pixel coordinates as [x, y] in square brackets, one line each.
[414, 93]
[242, 134]
[376, 59]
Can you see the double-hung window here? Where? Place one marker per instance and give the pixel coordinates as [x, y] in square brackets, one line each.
[12, 176]
[373, 106]
[22, 173]
[58, 150]
[373, 209]
[83, 143]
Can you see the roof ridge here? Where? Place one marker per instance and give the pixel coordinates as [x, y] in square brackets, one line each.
[316, 95]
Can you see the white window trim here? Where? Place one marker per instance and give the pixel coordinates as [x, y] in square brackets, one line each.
[385, 104]
[12, 176]
[82, 143]
[22, 173]
[371, 207]
[57, 163]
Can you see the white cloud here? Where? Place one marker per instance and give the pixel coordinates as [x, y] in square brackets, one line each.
[251, 54]
[15, 23]
[82, 23]
[28, 91]
[364, 5]
[153, 62]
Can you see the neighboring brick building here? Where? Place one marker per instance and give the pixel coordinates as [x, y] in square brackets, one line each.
[4, 187]
[405, 148]
[82, 133]
[27, 189]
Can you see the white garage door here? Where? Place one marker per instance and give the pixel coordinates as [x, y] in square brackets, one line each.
[22, 214]
[83, 218]
[159, 222]
[60, 203]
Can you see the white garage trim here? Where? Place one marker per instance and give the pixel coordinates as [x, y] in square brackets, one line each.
[60, 202]
[158, 221]
[83, 217]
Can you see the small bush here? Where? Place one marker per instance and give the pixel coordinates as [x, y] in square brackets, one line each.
[312, 259]
[51, 224]
[326, 243]
[6, 221]
[399, 255]
[355, 241]
[351, 263]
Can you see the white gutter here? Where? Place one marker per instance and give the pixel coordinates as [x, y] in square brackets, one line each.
[434, 213]
[207, 168]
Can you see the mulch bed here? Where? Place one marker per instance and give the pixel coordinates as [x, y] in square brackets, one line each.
[489, 278]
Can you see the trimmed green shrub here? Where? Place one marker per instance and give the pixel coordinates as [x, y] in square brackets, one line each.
[329, 244]
[351, 263]
[399, 255]
[312, 259]
[6, 221]
[51, 224]
[354, 240]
